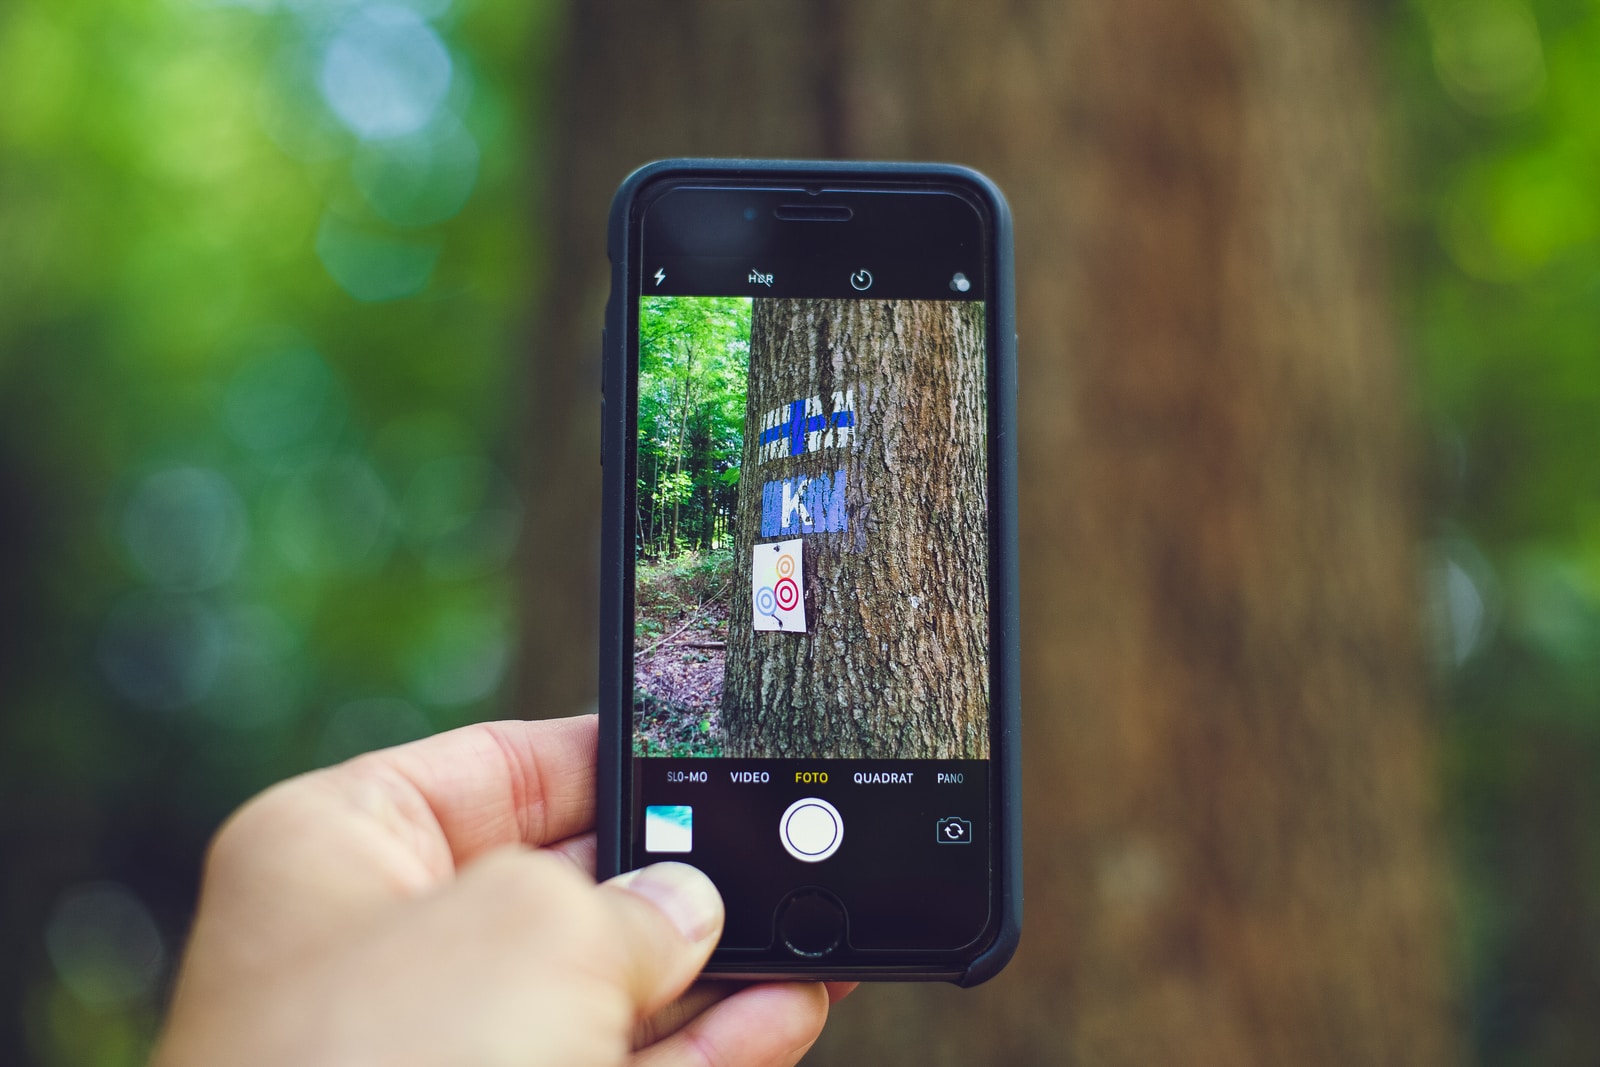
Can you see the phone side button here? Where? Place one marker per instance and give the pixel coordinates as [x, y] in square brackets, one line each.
[811, 922]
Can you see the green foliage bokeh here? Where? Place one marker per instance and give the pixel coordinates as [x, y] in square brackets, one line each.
[259, 361]
[1495, 109]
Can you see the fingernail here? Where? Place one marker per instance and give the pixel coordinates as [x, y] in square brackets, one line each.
[686, 896]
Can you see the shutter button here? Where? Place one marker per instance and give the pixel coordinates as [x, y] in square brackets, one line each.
[811, 829]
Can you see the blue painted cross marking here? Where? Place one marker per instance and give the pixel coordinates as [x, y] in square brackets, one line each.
[802, 426]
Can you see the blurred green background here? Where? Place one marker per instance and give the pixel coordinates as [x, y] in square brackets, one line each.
[266, 271]
[263, 270]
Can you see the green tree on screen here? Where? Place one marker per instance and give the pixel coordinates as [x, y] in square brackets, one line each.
[693, 358]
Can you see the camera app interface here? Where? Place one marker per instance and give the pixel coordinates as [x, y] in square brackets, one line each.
[811, 607]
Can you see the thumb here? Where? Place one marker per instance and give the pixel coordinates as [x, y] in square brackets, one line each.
[670, 917]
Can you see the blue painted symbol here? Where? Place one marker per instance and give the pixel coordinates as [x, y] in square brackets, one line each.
[804, 505]
[765, 601]
[803, 427]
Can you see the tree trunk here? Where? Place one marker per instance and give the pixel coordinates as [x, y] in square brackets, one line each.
[649, 545]
[683, 433]
[708, 519]
[1228, 778]
[887, 492]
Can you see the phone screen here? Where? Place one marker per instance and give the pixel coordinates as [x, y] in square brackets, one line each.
[811, 574]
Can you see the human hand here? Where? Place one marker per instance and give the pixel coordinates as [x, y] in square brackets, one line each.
[434, 903]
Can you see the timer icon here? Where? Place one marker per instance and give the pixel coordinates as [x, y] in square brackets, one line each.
[861, 280]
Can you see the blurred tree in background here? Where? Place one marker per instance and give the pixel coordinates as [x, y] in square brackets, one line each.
[299, 304]
[1228, 769]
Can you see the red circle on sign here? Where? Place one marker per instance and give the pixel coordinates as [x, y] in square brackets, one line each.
[787, 592]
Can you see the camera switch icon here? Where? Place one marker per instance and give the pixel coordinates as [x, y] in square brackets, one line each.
[953, 831]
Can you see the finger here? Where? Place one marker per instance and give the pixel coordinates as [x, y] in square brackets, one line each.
[303, 859]
[485, 786]
[678, 1014]
[837, 991]
[544, 954]
[764, 1025]
[578, 850]
[670, 917]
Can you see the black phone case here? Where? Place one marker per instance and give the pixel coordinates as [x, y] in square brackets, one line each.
[615, 751]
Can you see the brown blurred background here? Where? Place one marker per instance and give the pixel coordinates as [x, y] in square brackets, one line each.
[299, 317]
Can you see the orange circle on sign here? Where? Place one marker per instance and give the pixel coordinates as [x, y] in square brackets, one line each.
[785, 566]
[788, 593]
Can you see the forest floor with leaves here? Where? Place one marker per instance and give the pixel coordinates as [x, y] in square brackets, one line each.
[680, 646]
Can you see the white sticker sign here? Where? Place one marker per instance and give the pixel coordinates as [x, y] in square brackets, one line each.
[777, 587]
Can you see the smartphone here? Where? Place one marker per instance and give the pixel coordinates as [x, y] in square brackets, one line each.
[809, 668]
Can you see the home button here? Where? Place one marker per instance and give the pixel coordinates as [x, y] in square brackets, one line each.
[811, 923]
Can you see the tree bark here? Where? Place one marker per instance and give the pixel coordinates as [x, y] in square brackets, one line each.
[895, 659]
[1228, 768]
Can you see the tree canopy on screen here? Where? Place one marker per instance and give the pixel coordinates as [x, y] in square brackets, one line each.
[694, 353]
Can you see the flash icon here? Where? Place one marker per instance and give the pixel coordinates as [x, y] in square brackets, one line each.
[661, 274]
